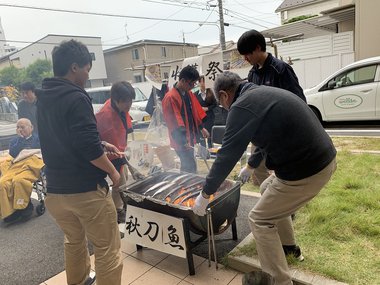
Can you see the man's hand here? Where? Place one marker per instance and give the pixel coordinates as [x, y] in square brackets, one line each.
[205, 133]
[115, 177]
[111, 151]
[200, 205]
[245, 173]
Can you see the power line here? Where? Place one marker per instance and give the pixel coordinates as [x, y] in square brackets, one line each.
[97, 14]
[238, 15]
[55, 43]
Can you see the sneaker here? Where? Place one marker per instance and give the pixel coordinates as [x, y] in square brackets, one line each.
[257, 278]
[293, 250]
[121, 216]
[91, 279]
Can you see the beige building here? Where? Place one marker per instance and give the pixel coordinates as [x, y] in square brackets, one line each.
[43, 48]
[127, 62]
[331, 17]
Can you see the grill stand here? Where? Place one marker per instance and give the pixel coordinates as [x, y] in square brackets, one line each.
[211, 239]
[190, 245]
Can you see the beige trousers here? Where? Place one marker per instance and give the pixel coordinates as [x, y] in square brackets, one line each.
[115, 190]
[89, 215]
[270, 219]
[261, 172]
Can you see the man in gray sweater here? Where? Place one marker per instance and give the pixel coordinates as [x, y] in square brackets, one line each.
[296, 148]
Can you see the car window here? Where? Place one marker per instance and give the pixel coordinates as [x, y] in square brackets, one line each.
[99, 97]
[139, 95]
[361, 75]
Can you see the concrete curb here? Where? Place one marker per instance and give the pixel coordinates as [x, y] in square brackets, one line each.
[246, 264]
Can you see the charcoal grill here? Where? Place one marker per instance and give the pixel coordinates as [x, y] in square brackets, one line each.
[223, 208]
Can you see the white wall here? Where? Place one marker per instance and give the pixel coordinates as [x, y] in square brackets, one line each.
[313, 9]
[317, 46]
[316, 58]
[44, 48]
[312, 71]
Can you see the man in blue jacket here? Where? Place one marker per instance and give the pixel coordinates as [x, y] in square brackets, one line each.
[76, 167]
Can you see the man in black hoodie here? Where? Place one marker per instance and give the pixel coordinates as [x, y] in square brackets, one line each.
[76, 167]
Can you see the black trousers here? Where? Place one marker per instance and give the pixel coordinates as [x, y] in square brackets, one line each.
[188, 162]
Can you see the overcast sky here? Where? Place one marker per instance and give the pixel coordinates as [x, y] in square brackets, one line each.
[29, 25]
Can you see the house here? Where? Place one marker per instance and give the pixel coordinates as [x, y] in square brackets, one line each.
[4, 47]
[329, 17]
[128, 62]
[318, 37]
[43, 48]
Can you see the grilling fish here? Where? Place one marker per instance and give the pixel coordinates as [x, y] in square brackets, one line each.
[191, 178]
[191, 196]
[170, 176]
[163, 189]
[186, 193]
[155, 187]
[171, 194]
[180, 178]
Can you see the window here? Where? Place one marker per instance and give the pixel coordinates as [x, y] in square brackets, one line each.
[365, 74]
[139, 95]
[92, 56]
[135, 54]
[99, 97]
[138, 78]
[163, 51]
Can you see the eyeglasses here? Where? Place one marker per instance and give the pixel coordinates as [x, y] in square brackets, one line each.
[192, 83]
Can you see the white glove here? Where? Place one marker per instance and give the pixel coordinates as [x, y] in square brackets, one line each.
[200, 205]
[245, 173]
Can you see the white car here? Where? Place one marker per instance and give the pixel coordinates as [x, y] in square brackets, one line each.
[100, 95]
[350, 94]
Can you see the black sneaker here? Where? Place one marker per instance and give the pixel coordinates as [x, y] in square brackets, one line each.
[293, 250]
[121, 216]
[257, 278]
[91, 279]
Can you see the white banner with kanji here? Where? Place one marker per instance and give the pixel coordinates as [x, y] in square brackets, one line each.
[155, 230]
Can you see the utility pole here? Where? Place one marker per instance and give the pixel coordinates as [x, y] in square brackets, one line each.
[184, 43]
[221, 23]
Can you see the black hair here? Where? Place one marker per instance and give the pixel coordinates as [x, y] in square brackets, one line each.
[249, 41]
[26, 86]
[122, 91]
[67, 53]
[189, 73]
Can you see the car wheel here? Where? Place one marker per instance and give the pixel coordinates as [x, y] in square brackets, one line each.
[317, 114]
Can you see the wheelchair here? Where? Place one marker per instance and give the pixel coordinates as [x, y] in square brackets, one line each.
[39, 187]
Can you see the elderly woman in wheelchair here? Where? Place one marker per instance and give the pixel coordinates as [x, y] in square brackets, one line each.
[19, 173]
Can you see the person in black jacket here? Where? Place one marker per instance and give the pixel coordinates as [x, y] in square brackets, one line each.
[27, 107]
[207, 100]
[296, 148]
[76, 167]
[266, 70]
